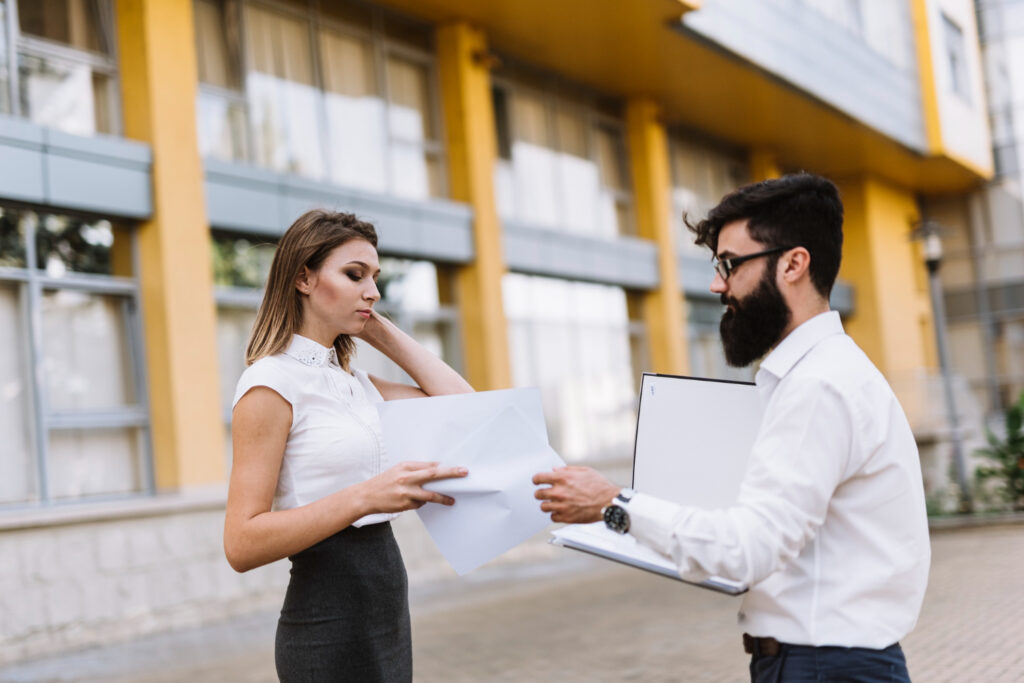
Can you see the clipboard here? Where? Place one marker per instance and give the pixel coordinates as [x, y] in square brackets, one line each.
[693, 439]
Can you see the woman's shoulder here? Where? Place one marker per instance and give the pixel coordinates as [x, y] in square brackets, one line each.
[271, 372]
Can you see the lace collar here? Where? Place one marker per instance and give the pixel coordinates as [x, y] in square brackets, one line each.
[310, 353]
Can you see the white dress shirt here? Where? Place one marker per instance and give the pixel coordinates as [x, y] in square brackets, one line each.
[830, 528]
[335, 439]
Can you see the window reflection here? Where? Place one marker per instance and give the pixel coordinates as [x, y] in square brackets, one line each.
[240, 261]
[572, 339]
[12, 239]
[5, 100]
[65, 243]
[65, 95]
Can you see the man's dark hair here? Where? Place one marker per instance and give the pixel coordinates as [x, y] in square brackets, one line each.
[798, 210]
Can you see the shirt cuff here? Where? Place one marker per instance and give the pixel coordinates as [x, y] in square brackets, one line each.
[652, 521]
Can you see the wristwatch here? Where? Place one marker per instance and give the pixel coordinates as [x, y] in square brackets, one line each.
[615, 516]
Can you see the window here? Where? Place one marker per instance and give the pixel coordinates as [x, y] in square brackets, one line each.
[345, 94]
[77, 426]
[701, 175]
[65, 72]
[576, 342]
[956, 58]
[414, 294]
[562, 159]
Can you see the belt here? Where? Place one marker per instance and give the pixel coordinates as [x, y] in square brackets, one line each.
[761, 647]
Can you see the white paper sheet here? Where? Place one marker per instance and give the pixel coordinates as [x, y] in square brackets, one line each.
[501, 438]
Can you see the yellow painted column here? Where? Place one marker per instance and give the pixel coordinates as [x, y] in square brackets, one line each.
[892, 319]
[926, 75]
[663, 308]
[763, 165]
[463, 66]
[158, 92]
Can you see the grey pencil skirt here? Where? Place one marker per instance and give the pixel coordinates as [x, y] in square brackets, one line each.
[346, 613]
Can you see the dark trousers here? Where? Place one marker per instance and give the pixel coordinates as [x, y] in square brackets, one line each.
[804, 664]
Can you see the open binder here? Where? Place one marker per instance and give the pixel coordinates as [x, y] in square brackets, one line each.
[693, 439]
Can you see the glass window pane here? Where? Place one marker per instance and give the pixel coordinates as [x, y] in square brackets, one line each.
[572, 131]
[410, 112]
[221, 128]
[18, 464]
[411, 172]
[217, 44]
[240, 261]
[12, 238]
[64, 95]
[355, 112]
[233, 328]
[93, 462]
[66, 243]
[5, 99]
[86, 356]
[283, 98]
[572, 340]
[407, 32]
[611, 157]
[83, 24]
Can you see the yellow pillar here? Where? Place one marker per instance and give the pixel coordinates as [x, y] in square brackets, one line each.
[663, 307]
[763, 165]
[158, 91]
[463, 67]
[892, 318]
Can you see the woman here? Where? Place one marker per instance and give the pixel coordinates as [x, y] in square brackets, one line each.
[310, 479]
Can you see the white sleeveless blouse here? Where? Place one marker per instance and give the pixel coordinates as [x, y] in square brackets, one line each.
[335, 439]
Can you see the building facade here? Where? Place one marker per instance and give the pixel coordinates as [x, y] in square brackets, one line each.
[527, 165]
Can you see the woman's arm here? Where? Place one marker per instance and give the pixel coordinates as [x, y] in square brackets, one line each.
[431, 374]
[254, 535]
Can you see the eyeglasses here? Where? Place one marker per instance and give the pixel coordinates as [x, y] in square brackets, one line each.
[726, 266]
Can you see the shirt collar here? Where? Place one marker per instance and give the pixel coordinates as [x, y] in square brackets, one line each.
[310, 353]
[801, 340]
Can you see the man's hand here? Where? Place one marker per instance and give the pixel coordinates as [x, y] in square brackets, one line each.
[576, 494]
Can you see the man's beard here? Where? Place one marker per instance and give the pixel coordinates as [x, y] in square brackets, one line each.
[754, 324]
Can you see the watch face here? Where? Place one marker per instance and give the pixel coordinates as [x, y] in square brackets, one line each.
[616, 519]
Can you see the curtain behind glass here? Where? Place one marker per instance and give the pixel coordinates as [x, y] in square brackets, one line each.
[17, 464]
[411, 123]
[283, 98]
[355, 112]
[94, 371]
[65, 95]
[572, 340]
[77, 23]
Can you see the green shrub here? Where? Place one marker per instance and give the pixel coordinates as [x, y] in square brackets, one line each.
[1006, 458]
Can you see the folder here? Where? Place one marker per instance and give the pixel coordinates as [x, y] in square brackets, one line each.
[693, 440]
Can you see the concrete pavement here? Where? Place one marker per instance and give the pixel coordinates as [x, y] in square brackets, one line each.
[583, 619]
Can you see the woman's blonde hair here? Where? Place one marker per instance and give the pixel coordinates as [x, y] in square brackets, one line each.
[308, 242]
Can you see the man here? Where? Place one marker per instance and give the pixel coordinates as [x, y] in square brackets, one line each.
[829, 529]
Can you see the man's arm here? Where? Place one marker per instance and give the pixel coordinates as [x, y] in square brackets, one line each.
[795, 467]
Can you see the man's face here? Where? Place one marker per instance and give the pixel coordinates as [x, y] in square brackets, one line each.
[756, 313]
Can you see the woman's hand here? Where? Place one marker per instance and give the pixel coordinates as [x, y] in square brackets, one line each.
[401, 487]
[376, 330]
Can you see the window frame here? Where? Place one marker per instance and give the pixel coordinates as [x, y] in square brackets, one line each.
[32, 283]
[20, 44]
[382, 47]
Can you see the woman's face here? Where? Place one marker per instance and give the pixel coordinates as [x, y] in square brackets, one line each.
[342, 292]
